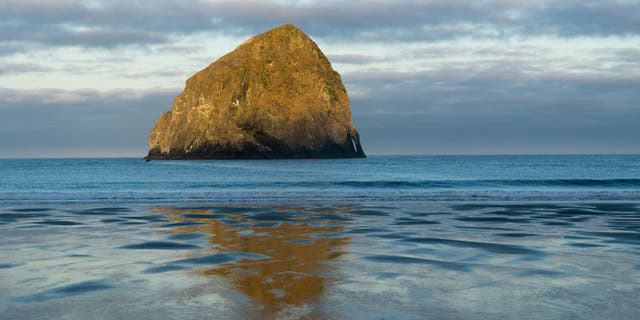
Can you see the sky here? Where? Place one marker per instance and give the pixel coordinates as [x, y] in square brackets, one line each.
[90, 78]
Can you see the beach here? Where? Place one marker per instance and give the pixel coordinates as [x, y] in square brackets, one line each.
[410, 260]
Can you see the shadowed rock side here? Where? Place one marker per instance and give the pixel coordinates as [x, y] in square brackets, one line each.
[275, 96]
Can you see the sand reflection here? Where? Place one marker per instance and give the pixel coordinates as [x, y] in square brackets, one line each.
[297, 242]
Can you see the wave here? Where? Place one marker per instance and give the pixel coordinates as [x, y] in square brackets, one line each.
[334, 196]
[617, 183]
[430, 184]
[336, 191]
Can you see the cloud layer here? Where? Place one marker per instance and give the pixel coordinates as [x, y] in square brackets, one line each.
[425, 77]
[112, 23]
[59, 123]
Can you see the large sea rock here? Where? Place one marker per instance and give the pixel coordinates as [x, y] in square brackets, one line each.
[274, 96]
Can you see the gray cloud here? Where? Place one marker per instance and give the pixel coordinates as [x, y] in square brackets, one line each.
[578, 18]
[507, 98]
[112, 23]
[436, 112]
[58, 35]
[619, 56]
[81, 122]
[13, 68]
[9, 48]
[355, 58]
[501, 111]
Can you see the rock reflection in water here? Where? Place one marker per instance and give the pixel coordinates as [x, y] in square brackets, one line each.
[297, 244]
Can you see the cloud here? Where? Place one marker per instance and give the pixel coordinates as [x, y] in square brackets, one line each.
[121, 23]
[619, 56]
[491, 91]
[87, 122]
[13, 68]
[9, 48]
[438, 76]
[580, 18]
[354, 58]
[499, 111]
[60, 35]
[441, 111]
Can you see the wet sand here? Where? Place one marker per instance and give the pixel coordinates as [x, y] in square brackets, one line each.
[316, 261]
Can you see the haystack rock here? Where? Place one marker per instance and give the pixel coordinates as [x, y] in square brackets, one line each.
[274, 96]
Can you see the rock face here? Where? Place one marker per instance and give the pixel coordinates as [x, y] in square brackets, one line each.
[275, 96]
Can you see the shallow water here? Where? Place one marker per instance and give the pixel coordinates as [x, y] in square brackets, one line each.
[300, 260]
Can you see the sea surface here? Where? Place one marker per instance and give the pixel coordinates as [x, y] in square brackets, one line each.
[415, 237]
[408, 178]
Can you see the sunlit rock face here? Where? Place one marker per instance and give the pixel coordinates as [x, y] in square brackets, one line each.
[274, 96]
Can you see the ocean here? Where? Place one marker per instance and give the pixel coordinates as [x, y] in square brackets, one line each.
[377, 178]
[386, 237]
